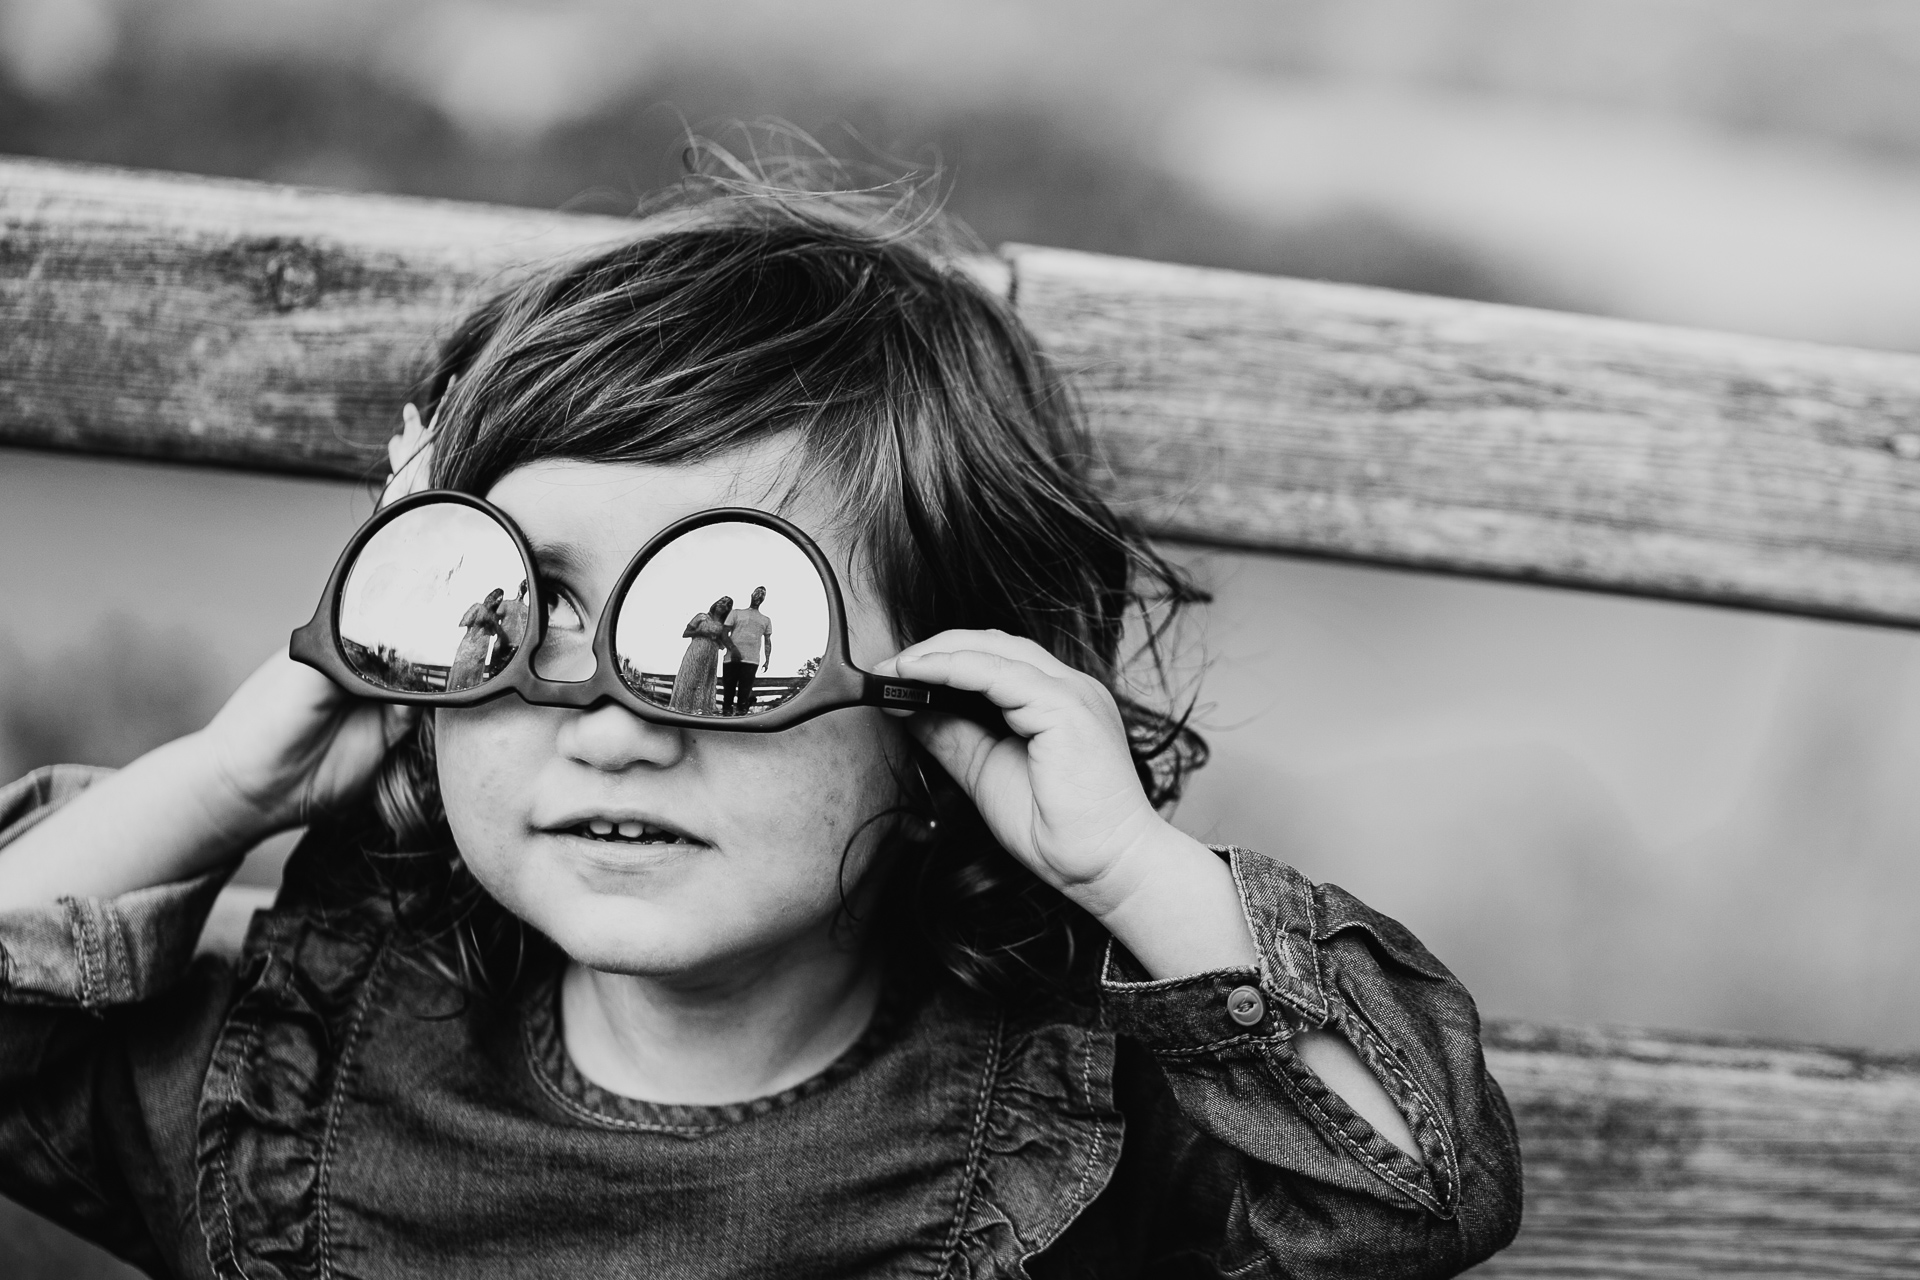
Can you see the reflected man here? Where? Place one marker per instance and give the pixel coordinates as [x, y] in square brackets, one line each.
[752, 635]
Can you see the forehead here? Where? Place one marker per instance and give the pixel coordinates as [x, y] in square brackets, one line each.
[598, 514]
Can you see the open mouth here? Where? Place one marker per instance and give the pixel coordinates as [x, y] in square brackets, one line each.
[609, 832]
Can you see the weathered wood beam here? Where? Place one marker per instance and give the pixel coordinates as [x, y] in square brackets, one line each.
[1289, 415]
[236, 323]
[1670, 1157]
[252, 325]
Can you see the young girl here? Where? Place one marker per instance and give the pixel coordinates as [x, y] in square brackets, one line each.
[580, 990]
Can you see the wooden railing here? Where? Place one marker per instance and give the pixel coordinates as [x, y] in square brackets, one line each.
[266, 327]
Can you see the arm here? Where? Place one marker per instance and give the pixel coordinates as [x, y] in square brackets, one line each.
[96, 1134]
[287, 745]
[1348, 1063]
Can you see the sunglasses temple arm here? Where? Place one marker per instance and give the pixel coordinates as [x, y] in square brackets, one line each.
[896, 694]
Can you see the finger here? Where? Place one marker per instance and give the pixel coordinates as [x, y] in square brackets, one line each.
[1017, 648]
[956, 744]
[1032, 699]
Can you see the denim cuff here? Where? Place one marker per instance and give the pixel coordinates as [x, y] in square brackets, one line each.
[93, 952]
[1197, 1013]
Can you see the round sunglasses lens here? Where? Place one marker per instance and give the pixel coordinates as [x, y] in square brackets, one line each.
[436, 601]
[728, 619]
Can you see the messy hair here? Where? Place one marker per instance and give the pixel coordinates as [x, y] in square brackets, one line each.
[753, 304]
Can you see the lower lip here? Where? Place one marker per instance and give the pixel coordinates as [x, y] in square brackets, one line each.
[621, 853]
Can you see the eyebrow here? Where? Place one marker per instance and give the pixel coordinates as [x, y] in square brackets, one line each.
[551, 558]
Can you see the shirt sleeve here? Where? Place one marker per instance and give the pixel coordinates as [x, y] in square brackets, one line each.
[93, 952]
[106, 1027]
[1317, 1186]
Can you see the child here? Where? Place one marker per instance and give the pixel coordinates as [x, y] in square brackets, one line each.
[581, 991]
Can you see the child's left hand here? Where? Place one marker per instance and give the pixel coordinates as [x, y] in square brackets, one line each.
[1060, 792]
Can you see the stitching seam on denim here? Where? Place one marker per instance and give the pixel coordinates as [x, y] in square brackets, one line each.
[983, 1107]
[322, 1176]
[1313, 952]
[1380, 1050]
[83, 952]
[1198, 981]
[1076, 1203]
[537, 1066]
[1449, 1173]
[559, 1098]
[237, 1060]
[1264, 969]
[125, 963]
[1216, 1046]
[1340, 1134]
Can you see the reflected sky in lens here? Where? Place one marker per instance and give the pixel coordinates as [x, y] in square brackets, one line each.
[729, 559]
[416, 578]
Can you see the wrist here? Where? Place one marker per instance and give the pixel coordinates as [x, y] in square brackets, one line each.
[1181, 913]
[239, 811]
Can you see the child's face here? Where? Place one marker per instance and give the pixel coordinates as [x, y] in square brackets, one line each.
[768, 814]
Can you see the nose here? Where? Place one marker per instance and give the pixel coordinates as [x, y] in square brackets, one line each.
[612, 739]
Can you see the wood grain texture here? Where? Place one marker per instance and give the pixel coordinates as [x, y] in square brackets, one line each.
[1660, 1155]
[235, 322]
[1288, 415]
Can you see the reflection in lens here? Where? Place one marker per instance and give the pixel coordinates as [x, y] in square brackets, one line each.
[728, 619]
[436, 601]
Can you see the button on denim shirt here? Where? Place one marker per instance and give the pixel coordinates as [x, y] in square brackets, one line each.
[321, 1107]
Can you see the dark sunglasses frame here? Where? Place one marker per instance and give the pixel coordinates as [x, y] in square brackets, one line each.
[838, 683]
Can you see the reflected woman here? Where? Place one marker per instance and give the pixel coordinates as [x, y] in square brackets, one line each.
[513, 629]
[482, 622]
[700, 665]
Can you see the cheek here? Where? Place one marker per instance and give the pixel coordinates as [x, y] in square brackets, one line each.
[803, 794]
[487, 759]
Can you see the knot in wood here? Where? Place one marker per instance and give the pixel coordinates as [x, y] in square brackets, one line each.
[293, 279]
[1906, 445]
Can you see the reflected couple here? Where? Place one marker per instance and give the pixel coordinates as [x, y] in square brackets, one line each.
[745, 636]
[493, 631]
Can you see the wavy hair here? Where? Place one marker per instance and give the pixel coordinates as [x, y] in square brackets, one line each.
[757, 300]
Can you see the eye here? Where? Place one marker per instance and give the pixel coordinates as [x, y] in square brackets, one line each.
[562, 613]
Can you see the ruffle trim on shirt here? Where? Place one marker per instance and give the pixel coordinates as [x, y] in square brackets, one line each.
[269, 1108]
[1046, 1142]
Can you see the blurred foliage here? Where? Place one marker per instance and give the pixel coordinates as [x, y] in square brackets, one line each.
[1016, 172]
[131, 688]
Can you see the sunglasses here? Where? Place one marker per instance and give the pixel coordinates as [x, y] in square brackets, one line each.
[728, 619]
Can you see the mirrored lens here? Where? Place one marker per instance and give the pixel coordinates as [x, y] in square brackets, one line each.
[728, 619]
[436, 601]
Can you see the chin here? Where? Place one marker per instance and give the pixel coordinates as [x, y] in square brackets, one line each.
[625, 936]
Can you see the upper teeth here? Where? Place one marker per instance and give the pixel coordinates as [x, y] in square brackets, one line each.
[607, 827]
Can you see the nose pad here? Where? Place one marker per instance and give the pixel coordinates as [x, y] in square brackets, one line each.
[564, 657]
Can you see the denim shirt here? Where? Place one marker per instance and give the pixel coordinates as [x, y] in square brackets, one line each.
[322, 1108]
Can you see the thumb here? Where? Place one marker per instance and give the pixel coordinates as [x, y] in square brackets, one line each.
[957, 744]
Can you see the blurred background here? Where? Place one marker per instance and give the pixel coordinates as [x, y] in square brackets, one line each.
[1593, 809]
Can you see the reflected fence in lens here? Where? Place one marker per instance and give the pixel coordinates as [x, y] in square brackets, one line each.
[727, 619]
[437, 600]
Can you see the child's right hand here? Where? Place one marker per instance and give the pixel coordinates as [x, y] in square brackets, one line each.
[290, 745]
